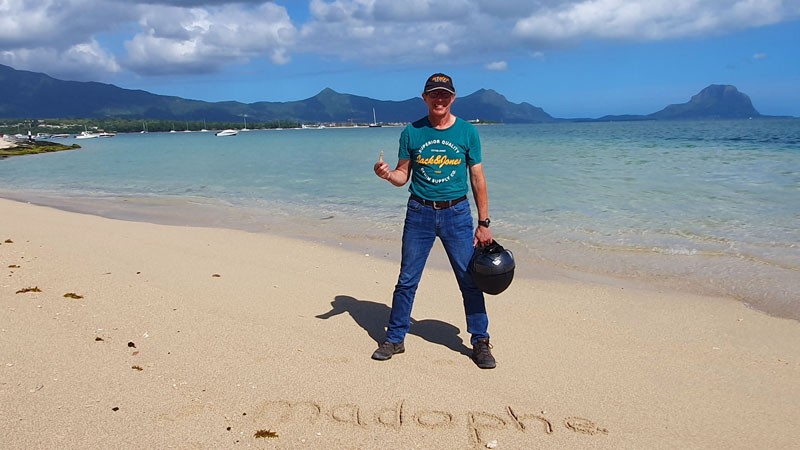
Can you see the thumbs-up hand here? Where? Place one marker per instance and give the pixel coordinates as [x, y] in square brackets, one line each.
[381, 168]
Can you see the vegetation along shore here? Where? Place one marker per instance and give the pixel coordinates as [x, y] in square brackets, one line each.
[31, 147]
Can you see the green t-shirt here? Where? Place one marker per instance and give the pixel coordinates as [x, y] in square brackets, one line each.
[440, 158]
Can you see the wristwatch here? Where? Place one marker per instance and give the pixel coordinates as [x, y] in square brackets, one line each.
[485, 223]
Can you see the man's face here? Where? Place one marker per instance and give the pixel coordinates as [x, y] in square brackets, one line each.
[438, 101]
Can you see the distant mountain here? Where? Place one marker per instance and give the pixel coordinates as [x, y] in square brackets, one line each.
[34, 95]
[488, 105]
[26, 94]
[714, 102]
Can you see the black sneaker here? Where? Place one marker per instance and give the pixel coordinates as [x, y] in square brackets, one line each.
[387, 349]
[482, 354]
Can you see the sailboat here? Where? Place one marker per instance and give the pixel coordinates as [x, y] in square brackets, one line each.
[85, 134]
[245, 123]
[374, 123]
[144, 127]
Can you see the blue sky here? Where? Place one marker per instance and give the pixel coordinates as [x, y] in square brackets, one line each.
[573, 58]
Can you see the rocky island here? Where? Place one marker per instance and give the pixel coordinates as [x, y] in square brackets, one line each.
[10, 147]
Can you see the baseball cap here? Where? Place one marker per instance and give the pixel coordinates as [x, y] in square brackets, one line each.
[439, 81]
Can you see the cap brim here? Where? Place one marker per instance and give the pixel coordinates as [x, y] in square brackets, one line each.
[440, 88]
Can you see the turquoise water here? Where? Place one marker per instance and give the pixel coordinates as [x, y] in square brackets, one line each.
[709, 207]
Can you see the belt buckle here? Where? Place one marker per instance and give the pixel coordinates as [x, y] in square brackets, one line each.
[436, 205]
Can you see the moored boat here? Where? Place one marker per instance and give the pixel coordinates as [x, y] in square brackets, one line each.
[86, 135]
[374, 123]
[228, 132]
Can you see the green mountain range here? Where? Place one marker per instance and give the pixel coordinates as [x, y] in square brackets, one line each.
[34, 95]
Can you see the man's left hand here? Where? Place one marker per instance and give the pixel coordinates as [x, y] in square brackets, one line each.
[483, 236]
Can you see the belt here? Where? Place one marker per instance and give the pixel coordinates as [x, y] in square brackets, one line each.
[439, 204]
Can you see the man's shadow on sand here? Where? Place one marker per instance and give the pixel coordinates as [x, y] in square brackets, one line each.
[372, 317]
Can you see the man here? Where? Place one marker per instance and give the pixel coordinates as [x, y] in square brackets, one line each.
[440, 154]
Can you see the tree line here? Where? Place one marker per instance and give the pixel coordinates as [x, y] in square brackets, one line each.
[74, 126]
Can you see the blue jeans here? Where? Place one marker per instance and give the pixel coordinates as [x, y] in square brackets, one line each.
[454, 228]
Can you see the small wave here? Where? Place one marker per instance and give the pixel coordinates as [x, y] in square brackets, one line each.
[676, 251]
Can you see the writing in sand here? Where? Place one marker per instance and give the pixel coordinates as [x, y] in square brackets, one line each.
[478, 425]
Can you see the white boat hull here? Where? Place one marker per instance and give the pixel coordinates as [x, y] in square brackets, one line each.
[227, 133]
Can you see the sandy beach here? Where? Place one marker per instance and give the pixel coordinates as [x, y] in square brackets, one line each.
[117, 334]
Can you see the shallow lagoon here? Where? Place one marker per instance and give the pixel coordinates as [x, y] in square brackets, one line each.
[710, 207]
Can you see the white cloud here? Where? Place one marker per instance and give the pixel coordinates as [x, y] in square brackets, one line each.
[441, 48]
[649, 19]
[411, 11]
[57, 24]
[184, 36]
[179, 40]
[391, 32]
[48, 34]
[758, 56]
[59, 37]
[82, 62]
[91, 57]
[513, 9]
[388, 31]
[497, 66]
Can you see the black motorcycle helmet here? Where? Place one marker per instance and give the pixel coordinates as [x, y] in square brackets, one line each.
[492, 268]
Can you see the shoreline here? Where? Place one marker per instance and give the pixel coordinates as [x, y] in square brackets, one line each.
[587, 217]
[340, 232]
[206, 337]
[203, 213]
